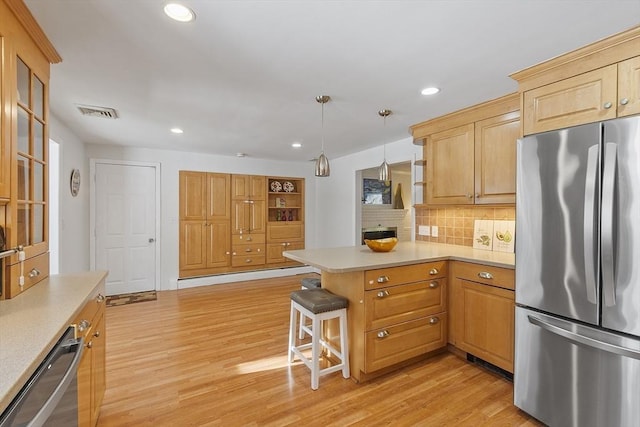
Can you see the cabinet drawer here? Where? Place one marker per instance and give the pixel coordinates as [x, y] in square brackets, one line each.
[91, 312]
[388, 346]
[243, 260]
[274, 251]
[245, 239]
[489, 275]
[285, 232]
[396, 304]
[35, 270]
[384, 277]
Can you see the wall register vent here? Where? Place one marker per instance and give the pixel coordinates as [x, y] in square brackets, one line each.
[91, 110]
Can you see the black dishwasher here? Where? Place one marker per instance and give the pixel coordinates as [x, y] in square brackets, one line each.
[50, 397]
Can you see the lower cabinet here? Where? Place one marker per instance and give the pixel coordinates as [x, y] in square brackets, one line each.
[482, 310]
[92, 368]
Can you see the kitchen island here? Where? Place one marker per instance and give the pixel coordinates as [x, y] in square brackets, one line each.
[32, 323]
[398, 301]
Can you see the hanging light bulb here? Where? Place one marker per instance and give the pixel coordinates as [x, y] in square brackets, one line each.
[383, 170]
[322, 163]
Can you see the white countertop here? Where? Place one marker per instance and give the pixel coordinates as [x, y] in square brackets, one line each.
[32, 322]
[356, 258]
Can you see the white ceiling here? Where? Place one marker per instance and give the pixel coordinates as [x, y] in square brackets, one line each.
[244, 75]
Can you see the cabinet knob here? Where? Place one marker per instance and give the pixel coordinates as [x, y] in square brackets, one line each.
[284, 244]
[477, 195]
[434, 320]
[383, 334]
[97, 334]
[227, 253]
[485, 275]
[383, 279]
[34, 273]
[624, 101]
[248, 250]
[433, 271]
[248, 260]
[607, 105]
[469, 196]
[382, 294]
[434, 285]
[90, 344]
[84, 325]
[235, 253]
[100, 298]
[249, 239]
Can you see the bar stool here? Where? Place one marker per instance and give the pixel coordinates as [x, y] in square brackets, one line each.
[319, 305]
[307, 283]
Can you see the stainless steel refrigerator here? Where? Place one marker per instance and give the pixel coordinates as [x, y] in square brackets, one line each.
[577, 355]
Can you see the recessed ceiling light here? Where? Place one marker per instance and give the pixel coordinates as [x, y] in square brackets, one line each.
[430, 91]
[179, 12]
[296, 145]
[241, 154]
[176, 130]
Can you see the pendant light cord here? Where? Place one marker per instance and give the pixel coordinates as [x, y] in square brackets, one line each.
[322, 124]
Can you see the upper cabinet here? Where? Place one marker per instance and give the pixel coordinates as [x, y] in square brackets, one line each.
[600, 81]
[470, 155]
[248, 187]
[26, 55]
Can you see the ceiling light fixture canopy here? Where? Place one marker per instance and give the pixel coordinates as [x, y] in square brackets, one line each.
[383, 170]
[179, 12]
[322, 163]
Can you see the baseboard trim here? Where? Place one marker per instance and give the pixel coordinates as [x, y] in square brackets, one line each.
[244, 276]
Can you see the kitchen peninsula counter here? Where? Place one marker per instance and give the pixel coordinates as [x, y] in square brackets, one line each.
[358, 258]
[32, 323]
[398, 309]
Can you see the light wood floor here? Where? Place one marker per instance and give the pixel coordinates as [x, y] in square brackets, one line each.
[216, 356]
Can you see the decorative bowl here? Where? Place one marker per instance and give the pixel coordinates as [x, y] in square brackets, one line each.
[382, 245]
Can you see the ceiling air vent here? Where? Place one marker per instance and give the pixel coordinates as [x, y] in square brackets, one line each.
[104, 112]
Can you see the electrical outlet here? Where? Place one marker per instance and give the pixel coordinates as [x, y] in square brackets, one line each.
[434, 231]
[423, 230]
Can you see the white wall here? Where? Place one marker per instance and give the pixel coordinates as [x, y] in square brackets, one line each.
[74, 211]
[173, 161]
[337, 196]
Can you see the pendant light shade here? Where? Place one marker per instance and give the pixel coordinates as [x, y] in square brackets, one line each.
[322, 162]
[383, 170]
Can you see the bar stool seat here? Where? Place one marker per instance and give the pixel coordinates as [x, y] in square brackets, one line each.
[319, 305]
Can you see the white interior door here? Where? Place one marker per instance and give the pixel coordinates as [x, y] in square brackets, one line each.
[125, 226]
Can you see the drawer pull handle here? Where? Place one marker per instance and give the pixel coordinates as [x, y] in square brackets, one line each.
[434, 285]
[97, 334]
[100, 298]
[434, 320]
[83, 325]
[485, 275]
[283, 244]
[383, 294]
[433, 271]
[383, 334]
[383, 279]
[248, 250]
[90, 344]
[34, 273]
[249, 239]
[248, 260]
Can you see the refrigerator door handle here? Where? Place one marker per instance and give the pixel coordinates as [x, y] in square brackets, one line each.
[589, 221]
[581, 339]
[608, 206]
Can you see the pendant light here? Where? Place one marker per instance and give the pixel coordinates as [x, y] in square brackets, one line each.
[322, 163]
[383, 170]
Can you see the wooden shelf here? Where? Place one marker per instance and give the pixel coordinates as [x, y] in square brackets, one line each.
[422, 162]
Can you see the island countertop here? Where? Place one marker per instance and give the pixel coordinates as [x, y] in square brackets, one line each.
[356, 258]
[32, 322]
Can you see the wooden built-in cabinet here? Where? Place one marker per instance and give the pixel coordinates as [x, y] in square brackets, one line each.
[91, 375]
[482, 310]
[470, 155]
[600, 81]
[232, 223]
[205, 224]
[285, 219]
[26, 55]
[397, 315]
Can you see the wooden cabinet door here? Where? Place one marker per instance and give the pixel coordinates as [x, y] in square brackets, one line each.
[495, 159]
[247, 216]
[218, 201]
[274, 251]
[218, 244]
[449, 166]
[248, 187]
[585, 98]
[193, 245]
[487, 323]
[193, 195]
[629, 87]
[98, 366]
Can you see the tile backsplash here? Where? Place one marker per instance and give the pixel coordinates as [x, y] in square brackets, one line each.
[455, 224]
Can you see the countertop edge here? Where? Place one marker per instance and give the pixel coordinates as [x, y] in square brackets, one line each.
[9, 312]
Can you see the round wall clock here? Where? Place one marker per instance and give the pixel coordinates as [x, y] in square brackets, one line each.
[75, 182]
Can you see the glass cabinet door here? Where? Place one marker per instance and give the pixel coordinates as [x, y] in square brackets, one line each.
[31, 157]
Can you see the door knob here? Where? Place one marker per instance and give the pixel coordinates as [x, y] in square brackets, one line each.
[151, 240]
